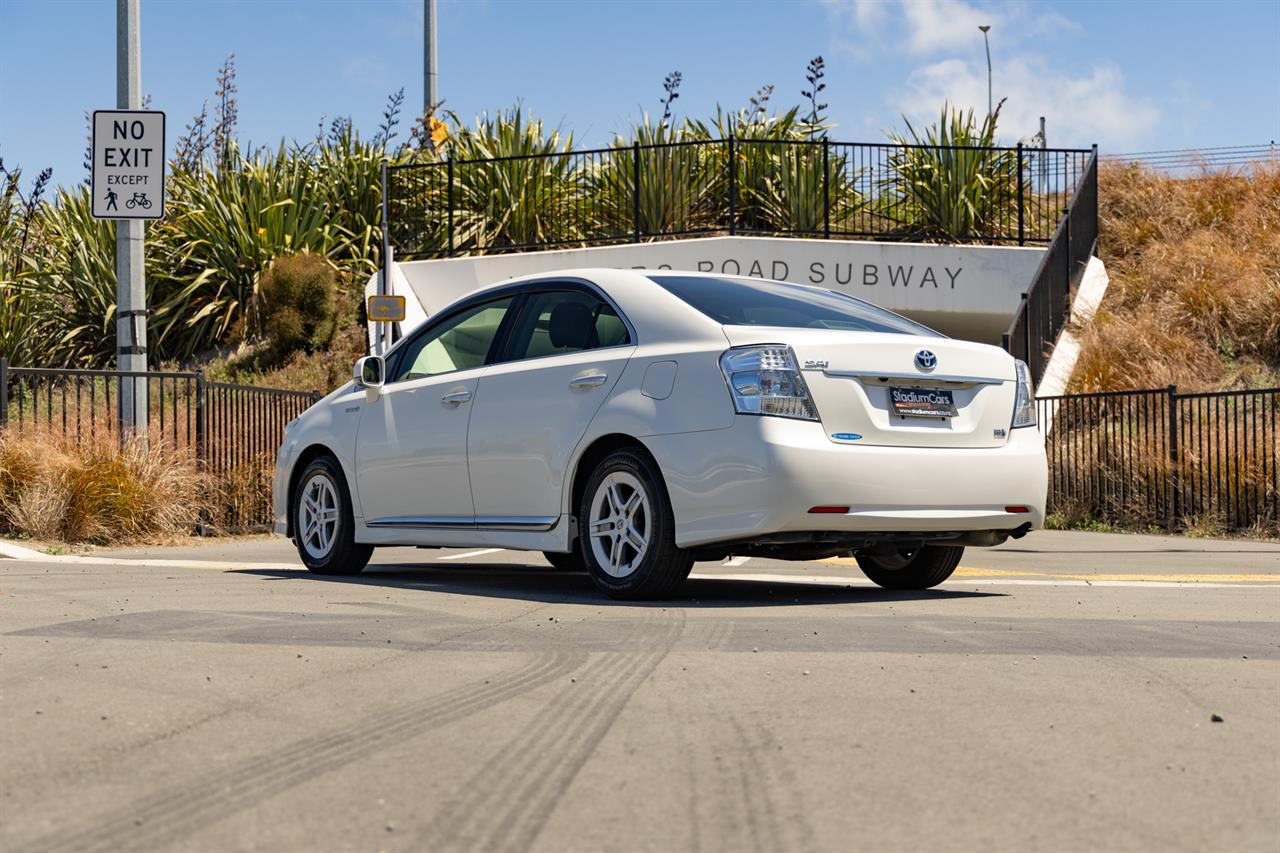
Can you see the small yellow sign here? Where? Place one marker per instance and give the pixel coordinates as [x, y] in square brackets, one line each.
[386, 309]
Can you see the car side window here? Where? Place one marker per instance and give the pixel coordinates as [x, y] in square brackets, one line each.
[564, 321]
[460, 342]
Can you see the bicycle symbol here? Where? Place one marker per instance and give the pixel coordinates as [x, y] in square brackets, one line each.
[139, 200]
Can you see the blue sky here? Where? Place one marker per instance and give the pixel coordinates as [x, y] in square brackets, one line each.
[1128, 76]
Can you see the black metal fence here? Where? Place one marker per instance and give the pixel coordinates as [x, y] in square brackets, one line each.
[1164, 459]
[1046, 304]
[231, 431]
[805, 188]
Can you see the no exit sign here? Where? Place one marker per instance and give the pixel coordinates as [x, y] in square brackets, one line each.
[128, 164]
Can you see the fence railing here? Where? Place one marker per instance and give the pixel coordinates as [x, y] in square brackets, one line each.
[1165, 459]
[1135, 458]
[1046, 304]
[804, 188]
[232, 431]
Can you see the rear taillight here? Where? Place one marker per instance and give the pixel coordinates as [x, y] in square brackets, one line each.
[1024, 404]
[765, 380]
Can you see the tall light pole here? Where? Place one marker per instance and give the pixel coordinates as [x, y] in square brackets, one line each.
[428, 55]
[131, 283]
[985, 29]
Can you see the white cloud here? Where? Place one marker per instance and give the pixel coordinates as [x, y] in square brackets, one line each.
[1082, 102]
[1081, 107]
[934, 25]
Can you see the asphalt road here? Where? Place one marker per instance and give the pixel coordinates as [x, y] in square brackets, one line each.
[1056, 694]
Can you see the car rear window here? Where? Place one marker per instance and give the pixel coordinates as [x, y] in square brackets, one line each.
[752, 302]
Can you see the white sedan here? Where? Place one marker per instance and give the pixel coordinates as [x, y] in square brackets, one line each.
[627, 423]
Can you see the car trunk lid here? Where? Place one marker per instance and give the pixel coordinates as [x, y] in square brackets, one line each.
[961, 396]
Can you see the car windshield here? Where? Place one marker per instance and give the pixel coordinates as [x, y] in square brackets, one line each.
[754, 302]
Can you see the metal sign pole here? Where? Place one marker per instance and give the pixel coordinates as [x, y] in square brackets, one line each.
[131, 287]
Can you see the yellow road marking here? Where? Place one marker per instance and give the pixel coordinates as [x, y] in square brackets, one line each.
[980, 572]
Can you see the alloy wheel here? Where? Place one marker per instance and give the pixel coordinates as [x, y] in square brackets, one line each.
[318, 516]
[620, 524]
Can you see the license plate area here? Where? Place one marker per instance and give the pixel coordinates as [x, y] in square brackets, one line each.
[922, 402]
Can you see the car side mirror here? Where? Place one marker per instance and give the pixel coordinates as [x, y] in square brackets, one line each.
[369, 373]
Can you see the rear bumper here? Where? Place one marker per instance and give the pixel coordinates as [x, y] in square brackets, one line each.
[762, 475]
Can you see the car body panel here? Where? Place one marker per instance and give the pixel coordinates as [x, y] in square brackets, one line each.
[526, 420]
[411, 453]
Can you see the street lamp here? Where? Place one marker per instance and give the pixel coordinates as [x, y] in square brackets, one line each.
[985, 29]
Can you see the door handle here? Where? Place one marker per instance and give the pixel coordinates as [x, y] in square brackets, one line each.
[456, 398]
[588, 380]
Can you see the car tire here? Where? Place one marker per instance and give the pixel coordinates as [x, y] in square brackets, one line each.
[918, 568]
[323, 523]
[627, 531]
[570, 562]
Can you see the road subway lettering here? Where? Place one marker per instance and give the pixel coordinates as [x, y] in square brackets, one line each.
[840, 273]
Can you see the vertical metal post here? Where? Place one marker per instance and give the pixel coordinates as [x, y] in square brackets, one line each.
[384, 281]
[1172, 479]
[826, 187]
[131, 286]
[1022, 233]
[733, 186]
[449, 201]
[4, 391]
[201, 428]
[429, 68]
[635, 191]
[1025, 308]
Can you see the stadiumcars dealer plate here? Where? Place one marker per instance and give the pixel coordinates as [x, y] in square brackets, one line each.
[922, 402]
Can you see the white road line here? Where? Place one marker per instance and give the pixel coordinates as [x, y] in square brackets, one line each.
[465, 554]
[13, 551]
[735, 561]
[141, 562]
[839, 580]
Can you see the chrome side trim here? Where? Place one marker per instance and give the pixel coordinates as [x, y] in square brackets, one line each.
[916, 377]
[460, 522]
[522, 522]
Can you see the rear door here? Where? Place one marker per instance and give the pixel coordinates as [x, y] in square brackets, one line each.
[565, 352]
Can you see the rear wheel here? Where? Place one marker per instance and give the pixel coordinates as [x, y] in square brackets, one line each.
[920, 567]
[627, 534]
[323, 523]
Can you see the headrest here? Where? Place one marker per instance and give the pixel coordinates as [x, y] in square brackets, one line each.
[572, 325]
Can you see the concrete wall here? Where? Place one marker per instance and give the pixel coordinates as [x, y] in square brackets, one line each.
[966, 292]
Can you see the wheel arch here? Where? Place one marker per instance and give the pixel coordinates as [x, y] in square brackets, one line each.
[306, 457]
[597, 450]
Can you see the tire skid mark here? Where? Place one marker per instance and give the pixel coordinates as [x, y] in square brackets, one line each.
[508, 800]
[161, 819]
[754, 796]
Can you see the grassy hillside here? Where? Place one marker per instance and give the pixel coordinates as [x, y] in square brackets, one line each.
[1194, 298]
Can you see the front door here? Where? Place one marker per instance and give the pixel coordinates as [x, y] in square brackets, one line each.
[565, 353]
[411, 451]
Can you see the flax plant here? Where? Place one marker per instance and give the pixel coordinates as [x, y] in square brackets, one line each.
[674, 189]
[506, 191]
[949, 183]
[224, 229]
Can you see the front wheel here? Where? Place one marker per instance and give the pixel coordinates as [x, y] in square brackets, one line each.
[921, 567]
[323, 523]
[627, 534]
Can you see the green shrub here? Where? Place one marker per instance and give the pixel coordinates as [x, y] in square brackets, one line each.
[298, 302]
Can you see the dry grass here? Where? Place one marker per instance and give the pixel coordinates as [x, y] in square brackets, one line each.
[1194, 298]
[97, 491]
[240, 499]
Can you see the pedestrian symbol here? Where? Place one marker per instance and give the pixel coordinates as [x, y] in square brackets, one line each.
[111, 199]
